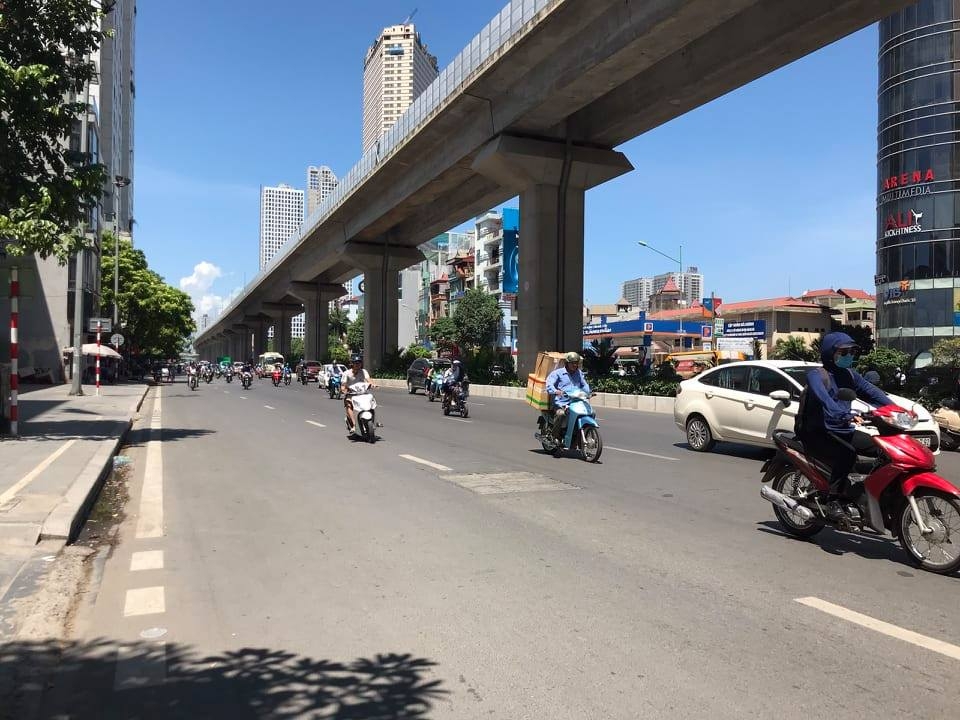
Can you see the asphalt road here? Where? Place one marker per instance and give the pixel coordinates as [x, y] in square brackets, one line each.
[270, 567]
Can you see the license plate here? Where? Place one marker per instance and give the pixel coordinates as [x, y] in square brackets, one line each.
[924, 441]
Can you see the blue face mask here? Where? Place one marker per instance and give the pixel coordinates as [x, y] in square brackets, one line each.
[845, 361]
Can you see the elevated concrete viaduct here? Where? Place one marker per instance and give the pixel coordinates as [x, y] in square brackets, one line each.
[534, 107]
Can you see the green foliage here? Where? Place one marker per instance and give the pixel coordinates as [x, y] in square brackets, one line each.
[443, 332]
[793, 348]
[416, 351]
[599, 362]
[155, 317]
[477, 319]
[355, 334]
[635, 386]
[947, 352]
[338, 322]
[667, 372]
[757, 350]
[885, 361]
[394, 361]
[296, 351]
[336, 352]
[862, 336]
[46, 187]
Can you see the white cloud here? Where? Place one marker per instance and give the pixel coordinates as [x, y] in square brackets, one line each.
[202, 279]
[198, 285]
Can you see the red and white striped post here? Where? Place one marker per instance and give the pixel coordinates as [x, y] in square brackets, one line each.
[14, 350]
[98, 356]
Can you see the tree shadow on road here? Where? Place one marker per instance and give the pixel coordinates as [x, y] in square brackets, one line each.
[174, 681]
[138, 437]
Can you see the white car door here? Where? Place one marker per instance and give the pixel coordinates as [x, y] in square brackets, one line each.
[724, 390]
[761, 413]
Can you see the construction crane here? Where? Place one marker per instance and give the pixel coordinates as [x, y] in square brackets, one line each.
[410, 16]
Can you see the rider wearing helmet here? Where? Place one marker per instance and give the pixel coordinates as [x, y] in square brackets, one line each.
[559, 382]
[355, 374]
[454, 374]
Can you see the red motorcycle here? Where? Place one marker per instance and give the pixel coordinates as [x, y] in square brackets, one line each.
[901, 492]
[277, 376]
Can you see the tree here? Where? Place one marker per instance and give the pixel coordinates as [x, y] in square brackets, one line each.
[477, 319]
[47, 187]
[355, 334]
[600, 357]
[757, 350]
[793, 347]
[947, 352]
[338, 323]
[296, 350]
[336, 352]
[862, 336]
[155, 318]
[443, 332]
[885, 361]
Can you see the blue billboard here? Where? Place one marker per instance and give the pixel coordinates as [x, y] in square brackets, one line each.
[511, 250]
[745, 329]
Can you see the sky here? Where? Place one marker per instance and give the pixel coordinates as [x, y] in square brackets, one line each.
[769, 190]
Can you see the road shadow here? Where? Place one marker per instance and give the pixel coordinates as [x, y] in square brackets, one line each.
[140, 436]
[747, 452]
[80, 680]
[73, 429]
[867, 545]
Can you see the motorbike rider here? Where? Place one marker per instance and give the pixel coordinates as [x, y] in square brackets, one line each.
[453, 375]
[827, 425]
[559, 382]
[355, 374]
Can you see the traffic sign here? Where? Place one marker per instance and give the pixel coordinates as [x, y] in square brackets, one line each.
[718, 326]
[105, 325]
[116, 339]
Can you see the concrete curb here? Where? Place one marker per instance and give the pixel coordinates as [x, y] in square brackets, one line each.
[640, 403]
[66, 519]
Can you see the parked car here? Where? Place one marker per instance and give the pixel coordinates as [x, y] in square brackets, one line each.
[312, 368]
[417, 372]
[745, 402]
[323, 375]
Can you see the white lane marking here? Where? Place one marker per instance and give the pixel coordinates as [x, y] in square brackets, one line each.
[242, 397]
[421, 461]
[269, 407]
[313, 422]
[140, 665]
[649, 455]
[462, 420]
[150, 520]
[144, 601]
[884, 628]
[35, 473]
[146, 560]
[480, 404]
[226, 392]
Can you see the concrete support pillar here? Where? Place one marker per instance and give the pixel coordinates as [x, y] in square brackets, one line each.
[551, 179]
[380, 263]
[241, 345]
[316, 299]
[285, 334]
[260, 341]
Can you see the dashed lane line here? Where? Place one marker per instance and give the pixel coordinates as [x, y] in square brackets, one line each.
[461, 420]
[150, 519]
[644, 454]
[146, 560]
[884, 628]
[421, 461]
[35, 473]
[269, 407]
[313, 422]
[144, 601]
[243, 397]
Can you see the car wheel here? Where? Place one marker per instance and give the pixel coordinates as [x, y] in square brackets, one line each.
[699, 436]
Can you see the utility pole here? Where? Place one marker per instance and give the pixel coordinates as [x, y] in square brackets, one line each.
[76, 387]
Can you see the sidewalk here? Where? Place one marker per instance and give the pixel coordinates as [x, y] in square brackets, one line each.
[50, 476]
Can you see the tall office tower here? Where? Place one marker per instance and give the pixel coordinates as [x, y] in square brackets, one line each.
[117, 95]
[320, 183]
[396, 69]
[281, 215]
[638, 291]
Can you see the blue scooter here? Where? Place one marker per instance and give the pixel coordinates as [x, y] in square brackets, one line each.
[582, 433]
[333, 387]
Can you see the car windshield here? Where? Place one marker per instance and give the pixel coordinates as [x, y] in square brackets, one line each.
[798, 373]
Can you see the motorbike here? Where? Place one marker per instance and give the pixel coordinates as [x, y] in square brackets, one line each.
[193, 381]
[582, 432]
[286, 377]
[433, 387]
[364, 412]
[219, 371]
[302, 377]
[208, 376]
[334, 387]
[276, 377]
[900, 491]
[455, 400]
[228, 375]
[246, 378]
[947, 416]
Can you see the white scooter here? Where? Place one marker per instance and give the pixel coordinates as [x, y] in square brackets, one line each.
[364, 411]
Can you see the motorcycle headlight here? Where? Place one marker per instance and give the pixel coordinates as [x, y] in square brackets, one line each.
[904, 420]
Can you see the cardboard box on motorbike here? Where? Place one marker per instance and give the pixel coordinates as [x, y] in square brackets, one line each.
[537, 396]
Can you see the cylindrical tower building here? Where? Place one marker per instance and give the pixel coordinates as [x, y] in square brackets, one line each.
[918, 176]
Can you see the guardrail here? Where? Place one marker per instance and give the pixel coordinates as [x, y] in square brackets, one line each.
[509, 24]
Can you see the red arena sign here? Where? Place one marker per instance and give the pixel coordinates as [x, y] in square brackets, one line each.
[908, 178]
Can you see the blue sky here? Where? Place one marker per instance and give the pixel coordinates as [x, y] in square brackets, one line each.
[770, 189]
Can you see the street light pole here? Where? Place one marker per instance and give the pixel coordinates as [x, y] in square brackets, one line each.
[119, 181]
[678, 261]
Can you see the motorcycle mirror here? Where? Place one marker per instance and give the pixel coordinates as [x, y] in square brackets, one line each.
[847, 395]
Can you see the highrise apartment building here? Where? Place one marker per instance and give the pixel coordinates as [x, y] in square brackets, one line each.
[638, 291]
[396, 69]
[281, 215]
[320, 183]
